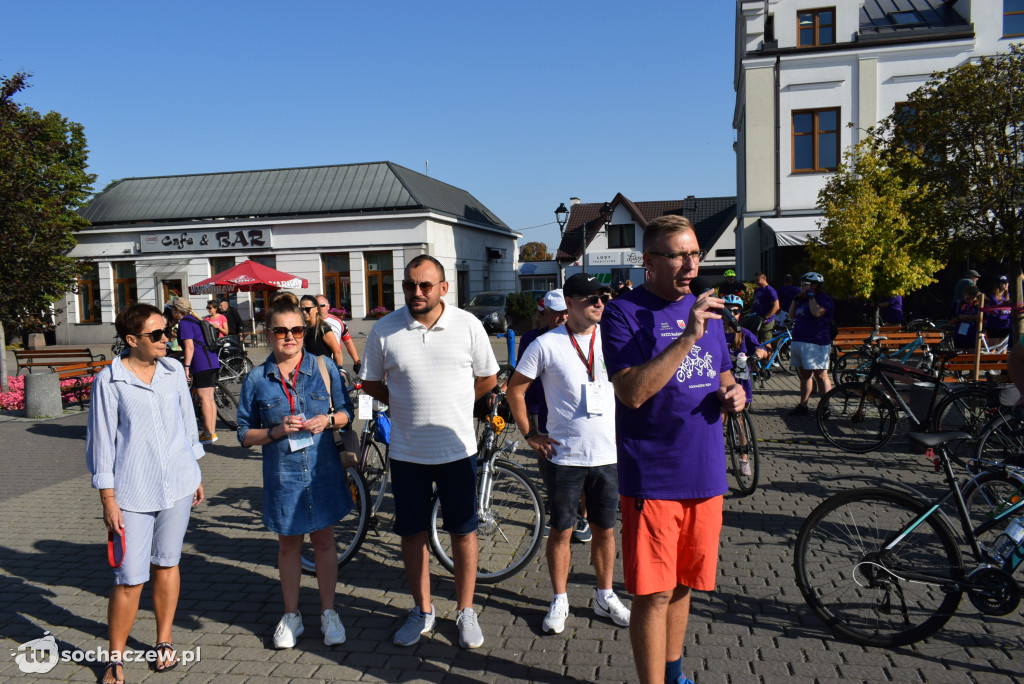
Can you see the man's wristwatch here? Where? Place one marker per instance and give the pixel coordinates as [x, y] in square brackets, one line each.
[531, 434]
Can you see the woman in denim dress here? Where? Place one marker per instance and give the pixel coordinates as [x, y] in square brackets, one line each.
[285, 408]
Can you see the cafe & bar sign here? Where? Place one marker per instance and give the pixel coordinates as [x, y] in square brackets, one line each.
[212, 240]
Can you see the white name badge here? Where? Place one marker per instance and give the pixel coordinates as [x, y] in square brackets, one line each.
[300, 440]
[596, 396]
[365, 410]
[964, 329]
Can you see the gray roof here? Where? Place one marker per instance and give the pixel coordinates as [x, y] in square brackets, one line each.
[878, 19]
[316, 190]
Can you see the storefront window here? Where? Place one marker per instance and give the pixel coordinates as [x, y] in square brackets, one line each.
[261, 300]
[380, 281]
[89, 295]
[337, 282]
[126, 292]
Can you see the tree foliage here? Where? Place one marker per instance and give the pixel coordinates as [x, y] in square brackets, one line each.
[535, 251]
[869, 245]
[43, 181]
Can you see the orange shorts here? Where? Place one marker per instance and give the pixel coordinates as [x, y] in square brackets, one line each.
[670, 542]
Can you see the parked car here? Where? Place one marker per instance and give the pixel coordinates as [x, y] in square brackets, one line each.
[489, 307]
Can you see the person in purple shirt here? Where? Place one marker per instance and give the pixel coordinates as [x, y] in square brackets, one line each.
[766, 305]
[892, 309]
[812, 312]
[997, 323]
[667, 359]
[743, 341]
[786, 294]
[201, 364]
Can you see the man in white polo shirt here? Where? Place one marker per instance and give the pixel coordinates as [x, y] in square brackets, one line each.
[580, 442]
[437, 361]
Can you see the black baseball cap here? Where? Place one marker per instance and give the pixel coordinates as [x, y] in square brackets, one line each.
[583, 285]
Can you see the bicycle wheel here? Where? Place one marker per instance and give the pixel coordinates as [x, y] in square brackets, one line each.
[851, 367]
[986, 496]
[1002, 440]
[855, 418]
[509, 534]
[227, 405]
[965, 409]
[375, 472]
[784, 358]
[740, 439]
[350, 531]
[869, 577]
[233, 371]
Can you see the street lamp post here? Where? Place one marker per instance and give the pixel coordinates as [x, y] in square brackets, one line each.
[561, 216]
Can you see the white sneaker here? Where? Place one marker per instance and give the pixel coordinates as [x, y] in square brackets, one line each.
[332, 629]
[554, 621]
[416, 624]
[745, 469]
[288, 630]
[470, 635]
[613, 609]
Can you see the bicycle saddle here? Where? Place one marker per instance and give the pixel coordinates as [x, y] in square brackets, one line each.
[934, 439]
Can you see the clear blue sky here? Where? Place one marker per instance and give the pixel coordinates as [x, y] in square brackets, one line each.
[523, 104]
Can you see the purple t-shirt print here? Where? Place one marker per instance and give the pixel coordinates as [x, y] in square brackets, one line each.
[764, 297]
[811, 328]
[671, 447]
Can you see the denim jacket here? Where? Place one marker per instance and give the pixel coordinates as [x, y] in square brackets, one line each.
[303, 490]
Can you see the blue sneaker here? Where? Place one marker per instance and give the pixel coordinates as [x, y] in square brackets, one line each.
[581, 532]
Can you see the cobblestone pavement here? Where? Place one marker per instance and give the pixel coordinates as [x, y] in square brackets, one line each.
[754, 628]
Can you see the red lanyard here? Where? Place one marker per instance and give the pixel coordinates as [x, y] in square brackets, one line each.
[589, 363]
[295, 374]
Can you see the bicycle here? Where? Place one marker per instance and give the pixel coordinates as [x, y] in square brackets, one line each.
[779, 357]
[883, 568]
[509, 508]
[854, 366]
[1002, 438]
[862, 416]
[740, 439]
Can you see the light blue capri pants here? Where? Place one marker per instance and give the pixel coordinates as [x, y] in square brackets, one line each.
[153, 538]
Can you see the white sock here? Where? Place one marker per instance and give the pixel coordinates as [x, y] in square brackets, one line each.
[603, 595]
[562, 598]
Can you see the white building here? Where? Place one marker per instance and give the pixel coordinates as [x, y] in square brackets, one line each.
[348, 229]
[805, 70]
[614, 247]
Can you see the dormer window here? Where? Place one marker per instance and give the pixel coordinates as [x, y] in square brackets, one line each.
[816, 27]
[905, 18]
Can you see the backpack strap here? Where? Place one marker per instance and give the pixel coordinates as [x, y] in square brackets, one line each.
[327, 380]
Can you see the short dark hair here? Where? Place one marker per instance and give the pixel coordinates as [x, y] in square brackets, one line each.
[417, 260]
[131, 320]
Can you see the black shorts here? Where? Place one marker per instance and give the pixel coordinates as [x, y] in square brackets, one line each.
[412, 486]
[599, 483]
[206, 378]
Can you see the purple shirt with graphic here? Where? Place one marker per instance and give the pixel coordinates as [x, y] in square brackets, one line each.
[811, 328]
[671, 447]
[764, 298]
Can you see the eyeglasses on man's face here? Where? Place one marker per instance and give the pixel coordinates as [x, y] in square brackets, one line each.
[323, 306]
[678, 258]
[281, 333]
[593, 299]
[155, 335]
[424, 287]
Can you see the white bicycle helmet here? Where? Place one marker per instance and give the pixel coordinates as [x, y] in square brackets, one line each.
[733, 300]
[813, 277]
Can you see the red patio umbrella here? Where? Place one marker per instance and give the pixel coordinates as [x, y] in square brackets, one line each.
[248, 276]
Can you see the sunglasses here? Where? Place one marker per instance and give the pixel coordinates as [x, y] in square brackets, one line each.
[281, 333]
[595, 298]
[323, 306]
[307, 309]
[155, 335]
[425, 287]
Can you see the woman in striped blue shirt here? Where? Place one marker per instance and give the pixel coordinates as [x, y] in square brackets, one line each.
[141, 448]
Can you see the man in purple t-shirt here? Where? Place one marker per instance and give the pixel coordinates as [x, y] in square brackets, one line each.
[786, 294]
[666, 356]
[766, 305]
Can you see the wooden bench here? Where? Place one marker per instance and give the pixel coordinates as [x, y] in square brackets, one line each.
[992, 368]
[50, 357]
[82, 374]
[894, 340]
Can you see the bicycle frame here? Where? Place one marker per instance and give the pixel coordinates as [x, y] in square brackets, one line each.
[879, 377]
[778, 341]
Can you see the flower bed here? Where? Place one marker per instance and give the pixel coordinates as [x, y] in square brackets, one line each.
[14, 400]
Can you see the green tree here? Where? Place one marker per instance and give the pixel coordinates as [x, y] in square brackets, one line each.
[869, 246]
[535, 251]
[43, 181]
[959, 139]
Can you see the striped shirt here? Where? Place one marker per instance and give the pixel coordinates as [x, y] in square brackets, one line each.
[431, 378]
[142, 441]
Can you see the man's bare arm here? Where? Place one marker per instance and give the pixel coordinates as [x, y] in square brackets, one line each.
[378, 390]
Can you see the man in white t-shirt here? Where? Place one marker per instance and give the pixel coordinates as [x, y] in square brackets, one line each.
[437, 361]
[580, 442]
[340, 330]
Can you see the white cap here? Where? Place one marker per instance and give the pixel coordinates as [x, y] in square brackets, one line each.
[554, 300]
